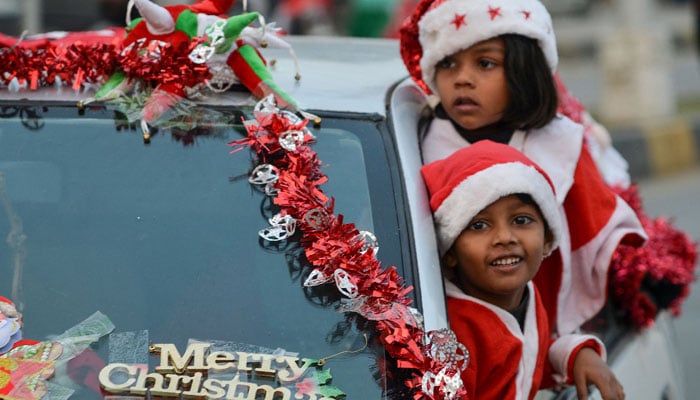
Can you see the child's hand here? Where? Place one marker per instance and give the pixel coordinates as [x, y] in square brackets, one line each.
[589, 368]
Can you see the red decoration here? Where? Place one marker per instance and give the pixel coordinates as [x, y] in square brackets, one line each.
[80, 59]
[164, 64]
[76, 65]
[333, 247]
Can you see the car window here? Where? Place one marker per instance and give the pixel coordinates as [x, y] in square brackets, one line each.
[162, 240]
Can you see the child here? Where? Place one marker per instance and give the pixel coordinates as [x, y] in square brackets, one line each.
[491, 65]
[496, 218]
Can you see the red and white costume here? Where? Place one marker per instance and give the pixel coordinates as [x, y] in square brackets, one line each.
[510, 357]
[573, 281]
[505, 361]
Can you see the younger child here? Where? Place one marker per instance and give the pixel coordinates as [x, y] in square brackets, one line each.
[491, 64]
[497, 217]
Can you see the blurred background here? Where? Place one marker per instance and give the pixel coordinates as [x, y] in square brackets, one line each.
[331, 17]
[340, 17]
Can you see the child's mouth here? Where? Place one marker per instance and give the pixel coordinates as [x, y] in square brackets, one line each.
[465, 103]
[506, 262]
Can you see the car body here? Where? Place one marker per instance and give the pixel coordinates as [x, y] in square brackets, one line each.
[162, 238]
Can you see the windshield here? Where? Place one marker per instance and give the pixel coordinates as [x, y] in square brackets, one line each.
[133, 244]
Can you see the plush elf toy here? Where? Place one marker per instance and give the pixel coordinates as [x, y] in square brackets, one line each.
[224, 50]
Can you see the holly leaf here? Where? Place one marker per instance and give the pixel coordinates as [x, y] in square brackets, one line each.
[323, 376]
[332, 392]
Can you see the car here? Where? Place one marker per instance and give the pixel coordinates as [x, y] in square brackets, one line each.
[139, 258]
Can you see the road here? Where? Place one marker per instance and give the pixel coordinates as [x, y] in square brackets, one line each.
[677, 196]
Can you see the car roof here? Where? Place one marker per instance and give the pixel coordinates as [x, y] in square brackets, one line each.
[333, 76]
[342, 73]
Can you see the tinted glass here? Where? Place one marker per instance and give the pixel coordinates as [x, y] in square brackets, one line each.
[162, 239]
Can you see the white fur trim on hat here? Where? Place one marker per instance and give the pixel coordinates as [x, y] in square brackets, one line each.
[455, 25]
[483, 188]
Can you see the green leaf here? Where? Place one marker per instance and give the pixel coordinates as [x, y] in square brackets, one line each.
[323, 376]
[331, 391]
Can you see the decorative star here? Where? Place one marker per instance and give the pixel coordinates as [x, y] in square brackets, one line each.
[459, 20]
[494, 12]
[526, 14]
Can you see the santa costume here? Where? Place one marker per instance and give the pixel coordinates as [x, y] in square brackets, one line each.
[512, 355]
[573, 281]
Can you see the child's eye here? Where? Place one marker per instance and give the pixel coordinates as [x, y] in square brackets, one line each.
[445, 63]
[487, 64]
[477, 226]
[522, 220]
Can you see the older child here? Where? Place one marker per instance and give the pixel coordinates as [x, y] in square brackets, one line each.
[491, 63]
[496, 218]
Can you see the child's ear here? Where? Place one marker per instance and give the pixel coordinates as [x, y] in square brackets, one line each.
[450, 259]
[548, 242]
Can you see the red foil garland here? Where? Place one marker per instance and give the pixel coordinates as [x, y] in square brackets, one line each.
[78, 65]
[330, 245]
[165, 64]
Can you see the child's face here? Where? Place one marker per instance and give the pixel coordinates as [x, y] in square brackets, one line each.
[472, 85]
[500, 251]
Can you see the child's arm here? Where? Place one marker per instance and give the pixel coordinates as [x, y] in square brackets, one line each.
[580, 360]
[590, 369]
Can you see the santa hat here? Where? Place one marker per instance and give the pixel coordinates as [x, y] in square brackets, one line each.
[439, 28]
[472, 178]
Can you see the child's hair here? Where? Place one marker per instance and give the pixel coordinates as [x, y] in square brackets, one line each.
[476, 176]
[533, 93]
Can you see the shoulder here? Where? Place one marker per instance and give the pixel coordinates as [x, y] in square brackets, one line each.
[561, 133]
[564, 123]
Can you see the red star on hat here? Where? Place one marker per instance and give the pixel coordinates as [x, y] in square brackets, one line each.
[494, 12]
[459, 20]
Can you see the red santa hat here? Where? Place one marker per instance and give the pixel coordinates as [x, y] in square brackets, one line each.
[472, 178]
[439, 28]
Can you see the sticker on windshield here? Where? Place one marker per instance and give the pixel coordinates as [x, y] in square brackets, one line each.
[28, 368]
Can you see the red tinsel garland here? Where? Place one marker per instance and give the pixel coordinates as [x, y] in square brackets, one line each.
[78, 65]
[75, 64]
[333, 247]
[159, 63]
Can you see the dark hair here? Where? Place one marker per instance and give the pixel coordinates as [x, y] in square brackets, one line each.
[530, 80]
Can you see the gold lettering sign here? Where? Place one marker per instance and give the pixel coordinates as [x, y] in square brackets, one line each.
[187, 374]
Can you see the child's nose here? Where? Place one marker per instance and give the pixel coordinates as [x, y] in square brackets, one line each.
[503, 235]
[465, 77]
